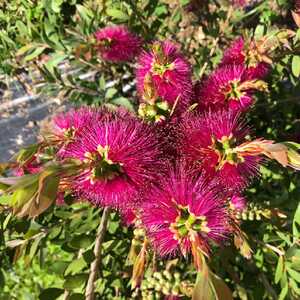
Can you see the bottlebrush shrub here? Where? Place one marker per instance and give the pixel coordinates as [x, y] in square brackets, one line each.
[176, 170]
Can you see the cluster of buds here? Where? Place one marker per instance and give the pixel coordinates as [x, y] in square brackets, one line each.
[161, 284]
[153, 108]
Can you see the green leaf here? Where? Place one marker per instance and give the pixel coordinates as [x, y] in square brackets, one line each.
[294, 274]
[117, 14]
[55, 232]
[202, 289]
[122, 101]
[39, 50]
[24, 49]
[296, 223]
[76, 296]
[2, 279]
[19, 182]
[59, 267]
[15, 243]
[56, 4]
[293, 251]
[85, 14]
[43, 197]
[27, 153]
[22, 28]
[48, 186]
[6, 220]
[75, 266]
[75, 281]
[34, 246]
[102, 83]
[6, 199]
[259, 31]
[279, 269]
[161, 10]
[88, 256]
[23, 195]
[110, 93]
[283, 293]
[113, 227]
[50, 294]
[54, 60]
[295, 286]
[81, 242]
[295, 260]
[296, 65]
[184, 2]
[222, 290]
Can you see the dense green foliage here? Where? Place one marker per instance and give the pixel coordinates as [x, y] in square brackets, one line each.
[50, 256]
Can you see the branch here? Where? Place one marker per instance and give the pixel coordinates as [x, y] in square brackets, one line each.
[90, 293]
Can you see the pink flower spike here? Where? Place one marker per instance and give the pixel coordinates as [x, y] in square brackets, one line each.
[210, 141]
[163, 74]
[238, 203]
[66, 127]
[240, 53]
[229, 87]
[239, 3]
[117, 44]
[181, 208]
[128, 216]
[118, 158]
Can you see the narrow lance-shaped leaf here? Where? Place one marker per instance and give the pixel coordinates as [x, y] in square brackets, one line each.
[203, 289]
[139, 266]
[45, 196]
[222, 291]
[279, 269]
[240, 241]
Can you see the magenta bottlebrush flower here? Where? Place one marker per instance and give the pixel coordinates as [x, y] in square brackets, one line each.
[182, 212]
[117, 43]
[118, 159]
[128, 215]
[239, 3]
[66, 127]
[167, 133]
[229, 87]
[164, 75]
[238, 202]
[248, 55]
[68, 124]
[208, 141]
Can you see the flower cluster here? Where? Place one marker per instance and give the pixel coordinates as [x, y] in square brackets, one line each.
[179, 168]
[163, 81]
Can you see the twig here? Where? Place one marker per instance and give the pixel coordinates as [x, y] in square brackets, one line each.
[90, 288]
[66, 294]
